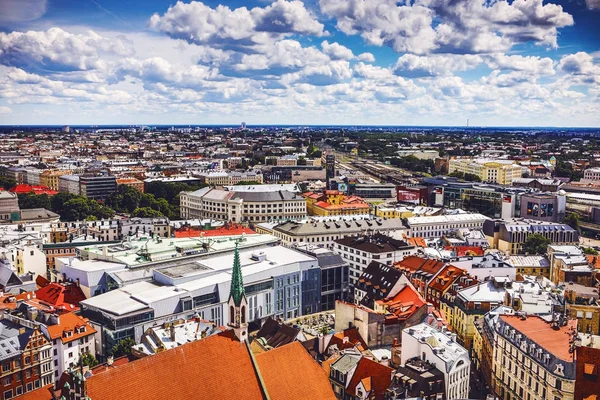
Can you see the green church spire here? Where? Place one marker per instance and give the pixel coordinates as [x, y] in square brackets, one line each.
[237, 283]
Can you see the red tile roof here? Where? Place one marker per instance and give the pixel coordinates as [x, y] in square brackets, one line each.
[404, 304]
[43, 393]
[462, 251]
[410, 264]
[65, 297]
[381, 378]
[68, 323]
[22, 188]
[217, 367]
[290, 373]
[446, 277]
[354, 339]
[541, 332]
[223, 231]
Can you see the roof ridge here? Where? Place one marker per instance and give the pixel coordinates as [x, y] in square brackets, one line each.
[261, 382]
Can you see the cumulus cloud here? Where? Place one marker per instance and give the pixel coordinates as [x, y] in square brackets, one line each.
[366, 57]
[336, 51]
[532, 64]
[22, 10]
[461, 26]
[239, 28]
[56, 50]
[582, 65]
[412, 66]
[5, 110]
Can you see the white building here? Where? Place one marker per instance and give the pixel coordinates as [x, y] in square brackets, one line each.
[441, 225]
[250, 206]
[429, 344]
[72, 336]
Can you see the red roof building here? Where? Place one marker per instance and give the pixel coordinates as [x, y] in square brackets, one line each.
[402, 306]
[63, 297]
[231, 230]
[22, 189]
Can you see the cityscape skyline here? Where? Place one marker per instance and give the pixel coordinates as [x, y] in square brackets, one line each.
[352, 63]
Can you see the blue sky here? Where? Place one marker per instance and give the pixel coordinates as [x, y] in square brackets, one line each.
[416, 62]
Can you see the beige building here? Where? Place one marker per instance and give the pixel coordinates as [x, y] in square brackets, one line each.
[223, 178]
[9, 205]
[50, 177]
[531, 358]
[498, 171]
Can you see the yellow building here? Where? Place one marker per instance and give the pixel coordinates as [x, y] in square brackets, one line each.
[50, 177]
[334, 202]
[502, 172]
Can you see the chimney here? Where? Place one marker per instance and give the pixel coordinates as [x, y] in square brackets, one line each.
[346, 339]
[430, 319]
[453, 337]
[77, 282]
[430, 308]
[110, 360]
[172, 330]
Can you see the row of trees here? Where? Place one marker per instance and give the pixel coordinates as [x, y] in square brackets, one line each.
[160, 200]
[412, 163]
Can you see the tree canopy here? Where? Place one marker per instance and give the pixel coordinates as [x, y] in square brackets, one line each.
[536, 244]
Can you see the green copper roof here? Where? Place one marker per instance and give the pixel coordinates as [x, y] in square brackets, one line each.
[237, 283]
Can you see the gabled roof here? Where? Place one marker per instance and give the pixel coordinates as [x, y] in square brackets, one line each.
[290, 373]
[354, 340]
[378, 280]
[43, 393]
[380, 378]
[446, 277]
[70, 322]
[277, 334]
[218, 367]
[61, 296]
[404, 304]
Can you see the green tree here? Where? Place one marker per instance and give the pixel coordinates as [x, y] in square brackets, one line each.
[88, 360]
[91, 218]
[536, 244]
[123, 348]
[472, 178]
[572, 220]
[590, 251]
[247, 183]
[7, 183]
[30, 200]
[146, 212]
[76, 209]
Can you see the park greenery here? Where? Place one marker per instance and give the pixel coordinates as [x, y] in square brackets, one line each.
[160, 200]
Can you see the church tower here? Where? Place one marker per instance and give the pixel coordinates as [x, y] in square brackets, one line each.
[238, 305]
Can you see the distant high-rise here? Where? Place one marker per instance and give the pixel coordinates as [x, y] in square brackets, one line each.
[329, 166]
[243, 125]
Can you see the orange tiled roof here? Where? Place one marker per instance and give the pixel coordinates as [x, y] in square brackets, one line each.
[350, 206]
[448, 275]
[68, 323]
[290, 373]
[417, 241]
[404, 304]
[217, 367]
[594, 261]
[381, 378]
[466, 250]
[541, 332]
[223, 231]
[354, 339]
[410, 263]
[43, 393]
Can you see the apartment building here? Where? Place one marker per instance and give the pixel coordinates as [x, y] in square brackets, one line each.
[50, 177]
[510, 235]
[132, 182]
[438, 226]
[25, 356]
[224, 178]
[250, 206]
[532, 358]
[323, 232]
[498, 171]
[439, 348]
[359, 252]
[69, 184]
[97, 187]
[9, 206]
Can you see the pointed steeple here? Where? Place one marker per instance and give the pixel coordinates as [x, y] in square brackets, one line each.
[237, 284]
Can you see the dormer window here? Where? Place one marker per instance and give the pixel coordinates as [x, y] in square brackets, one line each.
[68, 333]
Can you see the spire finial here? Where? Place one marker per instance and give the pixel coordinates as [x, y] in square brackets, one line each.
[237, 283]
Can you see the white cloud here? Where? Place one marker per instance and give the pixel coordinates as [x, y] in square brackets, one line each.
[580, 64]
[532, 64]
[5, 110]
[22, 10]
[239, 28]
[58, 50]
[336, 51]
[366, 57]
[462, 26]
[413, 66]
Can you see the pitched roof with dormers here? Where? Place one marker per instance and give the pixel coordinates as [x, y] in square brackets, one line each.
[378, 376]
[70, 327]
